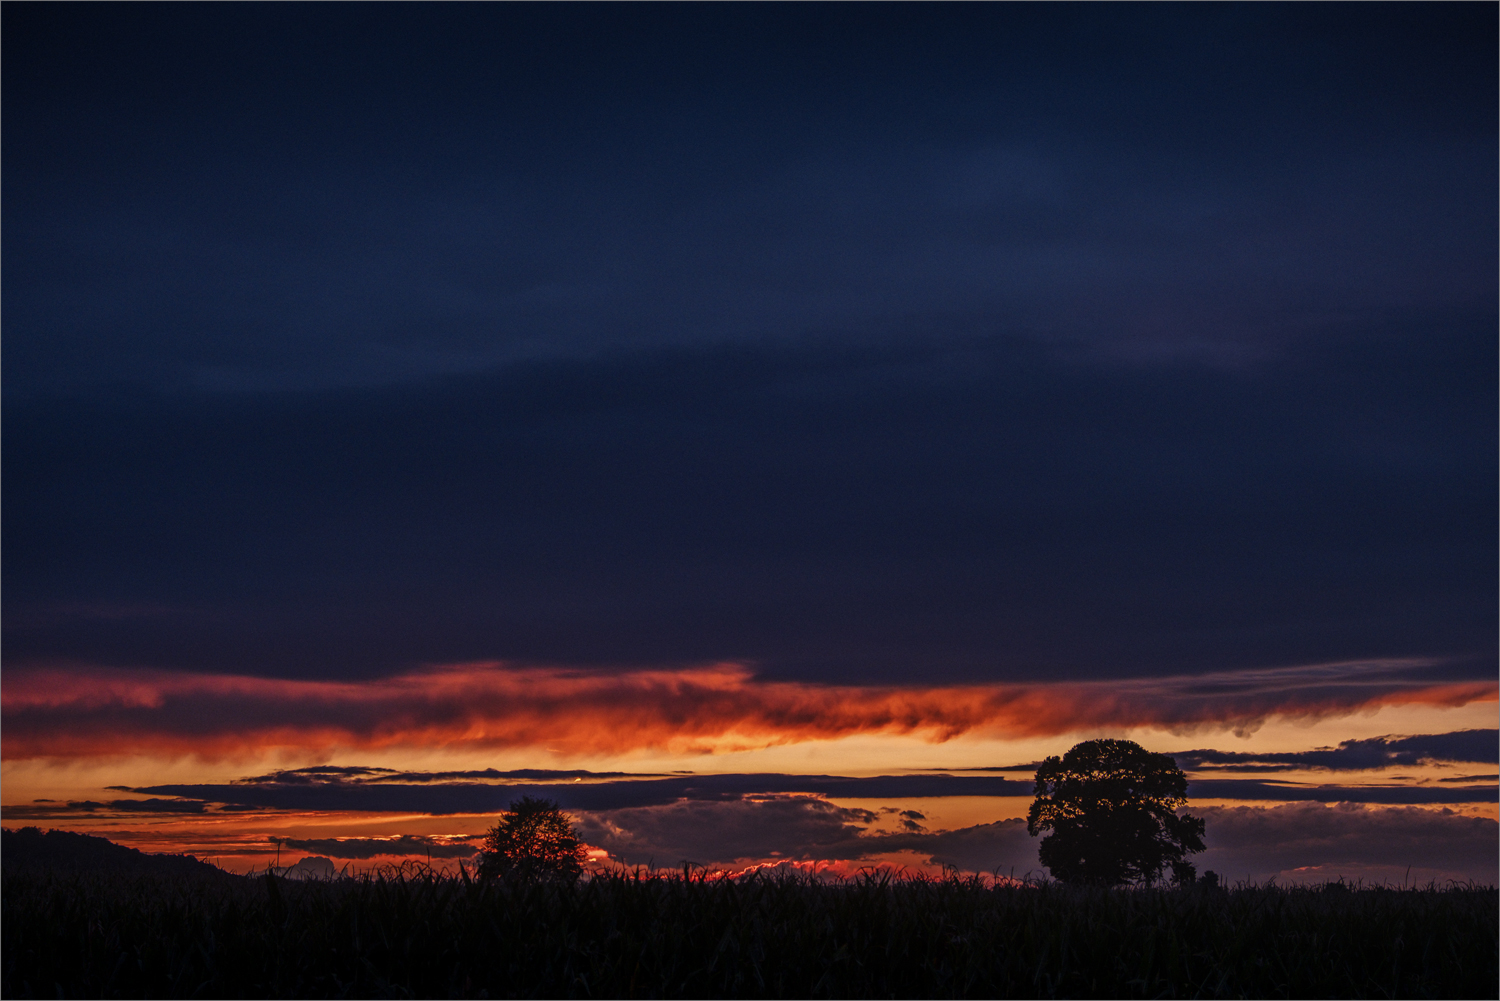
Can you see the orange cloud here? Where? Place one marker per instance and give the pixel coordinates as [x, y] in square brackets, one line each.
[84, 711]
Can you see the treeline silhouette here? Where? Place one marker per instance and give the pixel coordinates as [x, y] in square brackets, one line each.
[414, 933]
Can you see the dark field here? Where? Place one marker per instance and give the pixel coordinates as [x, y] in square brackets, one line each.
[124, 935]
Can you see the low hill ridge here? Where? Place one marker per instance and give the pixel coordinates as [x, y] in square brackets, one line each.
[31, 848]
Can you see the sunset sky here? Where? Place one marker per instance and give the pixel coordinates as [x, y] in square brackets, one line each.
[767, 431]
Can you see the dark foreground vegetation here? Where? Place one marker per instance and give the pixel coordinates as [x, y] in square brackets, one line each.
[109, 934]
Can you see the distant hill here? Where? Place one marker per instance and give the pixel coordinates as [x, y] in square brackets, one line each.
[30, 848]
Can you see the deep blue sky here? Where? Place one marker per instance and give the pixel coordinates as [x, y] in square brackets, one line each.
[867, 343]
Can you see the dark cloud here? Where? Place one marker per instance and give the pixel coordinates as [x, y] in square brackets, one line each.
[1258, 843]
[1252, 789]
[721, 832]
[256, 199]
[996, 340]
[460, 797]
[53, 808]
[1372, 752]
[439, 797]
[683, 797]
[365, 848]
[984, 511]
[797, 829]
[317, 774]
[1255, 843]
[327, 774]
[531, 774]
[1002, 848]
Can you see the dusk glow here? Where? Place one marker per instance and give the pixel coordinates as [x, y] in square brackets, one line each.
[80, 713]
[768, 432]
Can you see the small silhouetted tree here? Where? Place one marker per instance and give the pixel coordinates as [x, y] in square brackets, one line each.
[1111, 807]
[533, 838]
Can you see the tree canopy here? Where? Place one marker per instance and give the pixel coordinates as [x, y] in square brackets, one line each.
[533, 838]
[1111, 807]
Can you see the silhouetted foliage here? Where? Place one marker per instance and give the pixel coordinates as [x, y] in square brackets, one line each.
[407, 934]
[533, 838]
[1111, 806]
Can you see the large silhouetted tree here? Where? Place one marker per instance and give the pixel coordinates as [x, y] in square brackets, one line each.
[533, 838]
[1111, 806]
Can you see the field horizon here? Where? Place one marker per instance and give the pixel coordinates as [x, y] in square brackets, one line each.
[415, 934]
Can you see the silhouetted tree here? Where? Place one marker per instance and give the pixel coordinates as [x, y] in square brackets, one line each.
[533, 838]
[1111, 806]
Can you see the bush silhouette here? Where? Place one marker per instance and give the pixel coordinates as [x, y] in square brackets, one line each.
[1111, 806]
[533, 838]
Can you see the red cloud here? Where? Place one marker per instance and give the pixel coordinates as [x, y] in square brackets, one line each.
[76, 712]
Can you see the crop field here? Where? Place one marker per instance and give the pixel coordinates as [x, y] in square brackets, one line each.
[623, 935]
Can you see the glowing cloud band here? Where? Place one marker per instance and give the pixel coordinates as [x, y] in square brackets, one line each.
[83, 712]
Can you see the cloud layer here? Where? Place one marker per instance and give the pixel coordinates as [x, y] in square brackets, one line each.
[1481, 746]
[1260, 842]
[1243, 842]
[981, 343]
[83, 712]
[368, 848]
[828, 512]
[373, 790]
